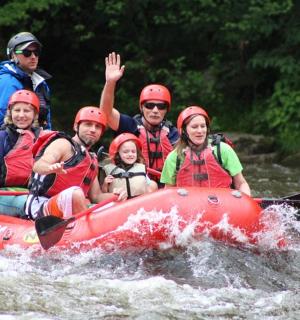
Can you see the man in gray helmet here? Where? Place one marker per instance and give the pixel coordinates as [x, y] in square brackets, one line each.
[21, 71]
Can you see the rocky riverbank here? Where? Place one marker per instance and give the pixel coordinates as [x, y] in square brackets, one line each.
[260, 149]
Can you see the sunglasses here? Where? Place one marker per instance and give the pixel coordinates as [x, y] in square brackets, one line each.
[152, 105]
[27, 53]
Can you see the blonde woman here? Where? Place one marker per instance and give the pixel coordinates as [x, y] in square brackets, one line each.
[17, 136]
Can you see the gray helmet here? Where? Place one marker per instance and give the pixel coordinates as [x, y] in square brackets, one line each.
[20, 38]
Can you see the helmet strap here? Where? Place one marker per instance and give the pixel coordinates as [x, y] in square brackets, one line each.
[15, 59]
[83, 142]
[193, 146]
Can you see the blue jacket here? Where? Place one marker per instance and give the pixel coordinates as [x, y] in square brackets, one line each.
[5, 144]
[13, 78]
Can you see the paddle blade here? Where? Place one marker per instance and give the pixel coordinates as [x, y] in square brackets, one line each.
[50, 230]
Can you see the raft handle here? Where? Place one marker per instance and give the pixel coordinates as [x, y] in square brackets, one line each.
[213, 199]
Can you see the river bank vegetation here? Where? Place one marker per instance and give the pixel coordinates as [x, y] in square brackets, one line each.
[239, 59]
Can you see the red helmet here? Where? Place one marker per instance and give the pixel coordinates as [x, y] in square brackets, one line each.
[119, 140]
[155, 92]
[25, 96]
[90, 114]
[190, 111]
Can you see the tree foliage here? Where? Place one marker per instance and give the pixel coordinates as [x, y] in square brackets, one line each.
[238, 59]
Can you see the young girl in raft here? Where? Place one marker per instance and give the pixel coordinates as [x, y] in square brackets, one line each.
[127, 169]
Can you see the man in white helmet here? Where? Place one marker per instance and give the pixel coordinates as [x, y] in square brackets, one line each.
[21, 71]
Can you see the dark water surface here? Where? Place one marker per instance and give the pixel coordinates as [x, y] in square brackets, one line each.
[203, 280]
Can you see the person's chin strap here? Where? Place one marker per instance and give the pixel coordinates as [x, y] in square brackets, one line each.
[15, 60]
[83, 142]
[193, 146]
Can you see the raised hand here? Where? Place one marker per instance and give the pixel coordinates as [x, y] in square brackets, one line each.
[113, 71]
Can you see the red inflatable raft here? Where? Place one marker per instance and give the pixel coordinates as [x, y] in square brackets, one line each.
[153, 220]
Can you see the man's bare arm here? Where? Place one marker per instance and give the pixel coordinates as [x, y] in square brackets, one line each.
[53, 158]
[113, 73]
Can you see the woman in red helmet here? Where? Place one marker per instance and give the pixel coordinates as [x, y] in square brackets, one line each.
[127, 169]
[195, 161]
[17, 136]
[156, 134]
[65, 173]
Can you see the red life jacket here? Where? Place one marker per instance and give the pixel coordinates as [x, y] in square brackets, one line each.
[82, 169]
[203, 171]
[44, 139]
[17, 163]
[155, 147]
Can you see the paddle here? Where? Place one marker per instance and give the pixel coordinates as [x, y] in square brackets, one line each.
[50, 229]
[12, 193]
[101, 154]
[264, 203]
[153, 172]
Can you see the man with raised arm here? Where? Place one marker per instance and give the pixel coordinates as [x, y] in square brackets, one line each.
[156, 134]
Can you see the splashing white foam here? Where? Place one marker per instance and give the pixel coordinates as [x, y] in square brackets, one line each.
[165, 230]
[280, 228]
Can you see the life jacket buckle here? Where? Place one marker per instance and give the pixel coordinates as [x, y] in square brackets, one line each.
[155, 140]
[200, 176]
[155, 155]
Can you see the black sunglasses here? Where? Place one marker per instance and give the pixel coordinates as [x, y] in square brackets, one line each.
[27, 53]
[152, 105]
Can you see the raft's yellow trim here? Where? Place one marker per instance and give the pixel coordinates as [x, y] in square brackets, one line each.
[31, 237]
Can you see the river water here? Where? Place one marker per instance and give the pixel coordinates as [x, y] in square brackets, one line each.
[202, 280]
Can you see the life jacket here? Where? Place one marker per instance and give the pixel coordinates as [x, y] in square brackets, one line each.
[132, 180]
[82, 169]
[16, 166]
[202, 170]
[155, 146]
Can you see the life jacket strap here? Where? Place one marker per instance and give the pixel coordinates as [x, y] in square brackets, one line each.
[127, 174]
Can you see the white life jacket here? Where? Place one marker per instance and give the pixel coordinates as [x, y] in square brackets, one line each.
[133, 180]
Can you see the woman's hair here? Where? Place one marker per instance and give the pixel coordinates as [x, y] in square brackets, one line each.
[183, 141]
[8, 118]
[139, 157]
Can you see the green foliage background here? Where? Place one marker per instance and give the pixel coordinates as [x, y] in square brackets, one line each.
[238, 59]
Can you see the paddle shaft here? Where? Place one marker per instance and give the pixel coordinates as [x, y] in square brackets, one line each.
[154, 172]
[64, 222]
[93, 208]
[295, 196]
[268, 202]
[12, 193]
